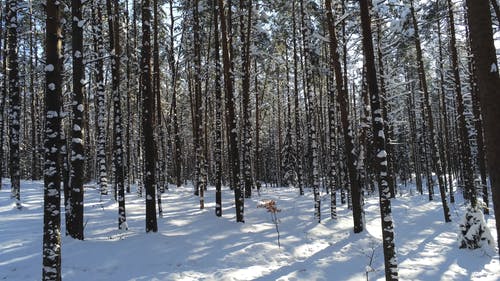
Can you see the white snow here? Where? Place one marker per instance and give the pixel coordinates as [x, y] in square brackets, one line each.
[49, 68]
[194, 244]
[493, 68]
[382, 154]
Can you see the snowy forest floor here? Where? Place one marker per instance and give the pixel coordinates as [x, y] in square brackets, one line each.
[194, 244]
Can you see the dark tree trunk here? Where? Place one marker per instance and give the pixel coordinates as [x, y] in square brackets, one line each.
[343, 100]
[148, 121]
[14, 100]
[75, 223]
[483, 49]
[198, 110]
[298, 134]
[331, 109]
[175, 125]
[51, 269]
[117, 119]
[231, 118]
[160, 159]
[310, 104]
[4, 95]
[245, 91]
[101, 99]
[390, 262]
[218, 116]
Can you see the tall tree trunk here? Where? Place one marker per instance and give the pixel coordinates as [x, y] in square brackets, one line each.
[160, 160]
[101, 98]
[148, 121]
[444, 118]
[14, 100]
[129, 82]
[4, 94]
[478, 125]
[218, 116]
[331, 106]
[230, 117]
[35, 167]
[298, 135]
[430, 122]
[470, 189]
[75, 226]
[384, 103]
[175, 125]
[483, 49]
[390, 262]
[310, 102]
[343, 99]
[117, 118]
[198, 110]
[51, 269]
[246, 28]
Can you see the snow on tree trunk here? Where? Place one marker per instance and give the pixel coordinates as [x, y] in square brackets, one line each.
[347, 132]
[14, 100]
[75, 222]
[148, 120]
[52, 182]
[117, 118]
[101, 98]
[230, 117]
[218, 116]
[483, 49]
[246, 40]
[307, 34]
[390, 261]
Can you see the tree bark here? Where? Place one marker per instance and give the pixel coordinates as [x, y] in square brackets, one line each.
[230, 117]
[75, 226]
[390, 261]
[14, 100]
[148, 121]
[343, 99]
[483, 49]
[52, 182]
[101, 98]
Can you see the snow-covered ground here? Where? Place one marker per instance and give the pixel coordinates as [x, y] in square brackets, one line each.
[194, 244]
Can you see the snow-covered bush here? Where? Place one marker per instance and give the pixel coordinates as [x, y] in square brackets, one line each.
[474, 232]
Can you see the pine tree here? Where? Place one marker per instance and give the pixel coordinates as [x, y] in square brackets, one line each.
[343, 100]
[218, 115]
[52, 182]
[101, 106]
[117, 118]
[148, 119]
[14, 99]
[246, 27]
[234, 162]
[483, 50]
[75, 223]
[298, 132]
[390, 262]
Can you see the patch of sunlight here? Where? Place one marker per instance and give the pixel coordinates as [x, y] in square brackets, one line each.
[454, 272]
